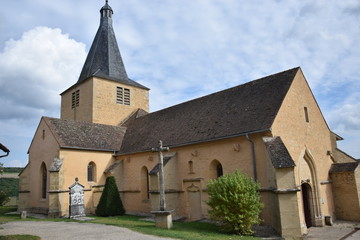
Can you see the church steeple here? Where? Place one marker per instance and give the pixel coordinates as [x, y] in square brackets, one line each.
[104, 58]
[104, 93]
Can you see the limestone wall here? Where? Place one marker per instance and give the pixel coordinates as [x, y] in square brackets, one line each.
[75, 163]
[98, 102]
[105, 108]
[43, 149]
[346, 189]
[84, 111]
[187, 174]
[308, 140]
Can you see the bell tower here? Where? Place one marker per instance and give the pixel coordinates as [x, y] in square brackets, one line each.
[104, 93]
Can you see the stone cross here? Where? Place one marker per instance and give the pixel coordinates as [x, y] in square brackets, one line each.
[161, 149]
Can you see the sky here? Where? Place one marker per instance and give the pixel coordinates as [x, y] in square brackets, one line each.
[181, 50]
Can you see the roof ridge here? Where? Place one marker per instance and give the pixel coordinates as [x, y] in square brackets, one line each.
[249, 107]
[221, 91]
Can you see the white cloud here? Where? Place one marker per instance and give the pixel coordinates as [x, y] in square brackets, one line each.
[35, 69]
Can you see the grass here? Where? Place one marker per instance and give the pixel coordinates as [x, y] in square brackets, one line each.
[181, 230]
[19, 237]
[12, 202]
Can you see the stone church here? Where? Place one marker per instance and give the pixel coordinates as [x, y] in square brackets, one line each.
[271, 129]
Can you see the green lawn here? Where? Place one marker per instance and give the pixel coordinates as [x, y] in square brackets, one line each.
[19, 237]
[181, 230]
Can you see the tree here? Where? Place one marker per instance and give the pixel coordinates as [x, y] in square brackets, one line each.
[235, 203]
[110, 203]
[4, 198]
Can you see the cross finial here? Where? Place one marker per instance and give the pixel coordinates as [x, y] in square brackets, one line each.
[106, 1]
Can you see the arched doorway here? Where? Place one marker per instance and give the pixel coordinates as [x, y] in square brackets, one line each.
[310, 191]
[307, 203]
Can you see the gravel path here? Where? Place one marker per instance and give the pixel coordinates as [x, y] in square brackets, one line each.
[73, 230]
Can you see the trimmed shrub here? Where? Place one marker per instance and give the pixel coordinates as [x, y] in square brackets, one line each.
[110, 203]
[4, 198]
[235, 203]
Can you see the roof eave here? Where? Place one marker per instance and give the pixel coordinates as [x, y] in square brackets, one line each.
[118, 154]
[88, 149]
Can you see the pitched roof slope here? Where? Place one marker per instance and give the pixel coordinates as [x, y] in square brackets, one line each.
[246, 108]
[104, 58]
[84, 135]
[343, 167]
[279, 155]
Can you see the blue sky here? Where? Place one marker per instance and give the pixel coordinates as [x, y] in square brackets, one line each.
[181, 50]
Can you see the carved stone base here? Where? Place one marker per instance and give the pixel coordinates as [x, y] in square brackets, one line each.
[163, 219]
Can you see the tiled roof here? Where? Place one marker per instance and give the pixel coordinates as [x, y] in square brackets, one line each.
[249, 107]
[343, 167]
[84, 135]
[279, 155]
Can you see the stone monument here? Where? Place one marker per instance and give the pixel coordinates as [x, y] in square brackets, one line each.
[163, 218]
[77, 207]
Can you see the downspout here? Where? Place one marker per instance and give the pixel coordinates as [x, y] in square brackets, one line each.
[253, 157]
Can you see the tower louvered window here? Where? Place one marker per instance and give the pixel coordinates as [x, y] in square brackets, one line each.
[123, 95]
[75, 99]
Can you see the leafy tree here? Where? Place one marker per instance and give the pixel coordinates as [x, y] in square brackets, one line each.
[110, 203]
[4, 198]
[9, 186]
[235, 202]
[12, 169]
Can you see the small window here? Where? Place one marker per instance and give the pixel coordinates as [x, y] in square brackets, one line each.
[219, 170]
[123, 95]
[145, 187]
[91, 172]
[216, 169]
[306, 114]
[75, 99]
[43, 180]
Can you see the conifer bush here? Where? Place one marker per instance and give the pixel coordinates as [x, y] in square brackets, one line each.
[110, 203]
[235, 203]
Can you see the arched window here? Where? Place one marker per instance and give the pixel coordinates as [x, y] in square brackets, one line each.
[91, 172]
[216, 169]
[144, 183]
[43, 174]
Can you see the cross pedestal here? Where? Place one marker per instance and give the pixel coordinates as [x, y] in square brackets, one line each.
[163, 219]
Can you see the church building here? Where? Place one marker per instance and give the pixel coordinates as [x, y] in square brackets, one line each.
[270, 129]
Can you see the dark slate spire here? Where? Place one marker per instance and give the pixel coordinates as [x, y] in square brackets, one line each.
[104, 59]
